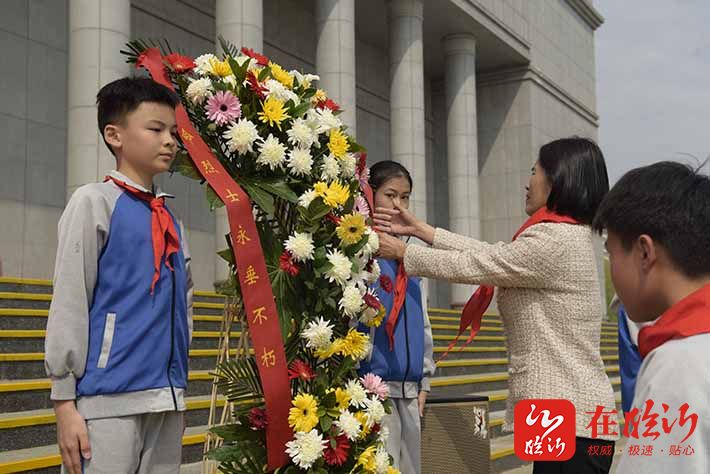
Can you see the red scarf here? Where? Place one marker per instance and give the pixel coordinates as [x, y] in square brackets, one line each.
[165, 237]
[400, 291]
[689, 317]
[472, 313]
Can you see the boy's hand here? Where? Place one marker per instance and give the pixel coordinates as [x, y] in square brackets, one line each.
[72, 435]
[422, 401]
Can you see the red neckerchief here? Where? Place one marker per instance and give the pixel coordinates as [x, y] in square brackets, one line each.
[165, 237]
[472, 313]
[400, 291]
[688, 317]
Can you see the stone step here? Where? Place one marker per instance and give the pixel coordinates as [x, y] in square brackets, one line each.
[32, 340]
[30, 365]
[459, 385]
[46, 459]
[25, 429]
[489, 364]
[33, 394]
[32, 285]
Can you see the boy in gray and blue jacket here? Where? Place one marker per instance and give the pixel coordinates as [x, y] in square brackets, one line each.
[120, 321]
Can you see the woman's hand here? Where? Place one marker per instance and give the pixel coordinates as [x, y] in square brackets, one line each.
[391, 248]
[400, 221]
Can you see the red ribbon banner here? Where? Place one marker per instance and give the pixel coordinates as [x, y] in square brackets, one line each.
[262, 316]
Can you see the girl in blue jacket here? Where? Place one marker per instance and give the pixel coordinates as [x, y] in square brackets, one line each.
[402, 352]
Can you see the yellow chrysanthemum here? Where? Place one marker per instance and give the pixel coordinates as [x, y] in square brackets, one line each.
[367, 460]
[220, 68]
[319, 96]
[281, 75]
[361, 416]
[342, 398]
[377, 320]
[273, 112]
[355, 344]
[329, 351]
[392, 470]
[334, 194]
[351, 228]
[338, 143]
[304, 414]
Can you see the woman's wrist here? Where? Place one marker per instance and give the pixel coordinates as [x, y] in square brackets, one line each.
[425, 232]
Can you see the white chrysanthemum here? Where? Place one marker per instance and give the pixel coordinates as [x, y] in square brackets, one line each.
[318, 334]
[203, 63]
[304, 79]
[383, 434]
[323, 120]
[374, 272]
[300, 244]
[347, 166]
[231, 80]
[341, 267]
[348, 425]
[373, 243]
[382, 460]
[306, 448]
[272, 153]
[330, 169]
[199, 90]
[357, 393]
[241, 59]
[375, 410]
[300, 161]
[351, 302]
[241, 136]
[302, 133]
[328, 120]
[305, 199]
[279, 91]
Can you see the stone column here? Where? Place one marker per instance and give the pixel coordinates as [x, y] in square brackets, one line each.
[98, 30]
[240, 22]
[461, 143]
[335, 55]
[407, 128]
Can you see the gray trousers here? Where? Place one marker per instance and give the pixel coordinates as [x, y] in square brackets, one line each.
[405, 435]
[150, 443]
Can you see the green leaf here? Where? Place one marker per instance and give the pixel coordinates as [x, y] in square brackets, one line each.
[266, 72]
[300, 109]
[354, 146]
[325, 423]
[213, 199]
[280, 188]
[260, 197]
[240, 72]
[317, 209]
[227, 255]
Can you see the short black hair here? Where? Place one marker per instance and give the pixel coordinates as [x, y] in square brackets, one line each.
[577, 173]
[668, 201]
[383, 171]
[118, 98]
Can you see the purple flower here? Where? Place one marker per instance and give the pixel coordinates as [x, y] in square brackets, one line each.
[223, 107]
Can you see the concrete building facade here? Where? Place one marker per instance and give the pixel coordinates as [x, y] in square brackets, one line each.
[462, 92]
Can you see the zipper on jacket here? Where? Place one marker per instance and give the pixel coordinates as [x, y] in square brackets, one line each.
[172, 337]
[406, 341]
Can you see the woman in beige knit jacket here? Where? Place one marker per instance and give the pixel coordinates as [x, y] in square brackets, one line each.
[549, 292]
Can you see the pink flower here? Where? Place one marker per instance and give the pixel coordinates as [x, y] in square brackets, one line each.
[375, 385]
[362, 207]
[223, 107]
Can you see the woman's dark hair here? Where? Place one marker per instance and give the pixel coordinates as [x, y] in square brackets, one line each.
[576, 171]
[383, 171]
[668, 201]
